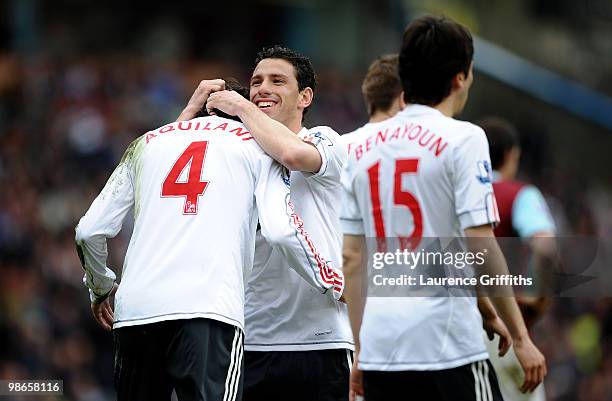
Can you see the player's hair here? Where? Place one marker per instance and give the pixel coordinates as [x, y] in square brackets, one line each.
[231, 84]
[434, 50]
[502, 136]
[381, 84]
[304, 73]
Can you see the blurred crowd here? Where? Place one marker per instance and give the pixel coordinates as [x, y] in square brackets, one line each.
[63, 128]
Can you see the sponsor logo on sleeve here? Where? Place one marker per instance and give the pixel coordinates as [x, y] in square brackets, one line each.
[484, 172]
[286, 175]
[316, 138]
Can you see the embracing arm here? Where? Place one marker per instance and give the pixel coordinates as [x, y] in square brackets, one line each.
[283, 228]
[274, 138]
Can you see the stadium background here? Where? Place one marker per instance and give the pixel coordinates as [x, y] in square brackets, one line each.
[79, 79]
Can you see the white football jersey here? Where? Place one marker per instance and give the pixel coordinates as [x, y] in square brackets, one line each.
[282, 312]
[197, 189]
[418, 174]
[350, 137]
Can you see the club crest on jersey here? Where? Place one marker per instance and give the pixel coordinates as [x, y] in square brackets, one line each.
[484, 172]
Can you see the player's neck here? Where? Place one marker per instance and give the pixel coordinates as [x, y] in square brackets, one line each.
[506, 173]
[295, 125]
[381, 116]
[446, 107]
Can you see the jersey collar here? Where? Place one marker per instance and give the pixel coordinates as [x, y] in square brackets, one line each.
[419, 109]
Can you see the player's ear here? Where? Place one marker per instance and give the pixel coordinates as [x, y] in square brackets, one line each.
[306, 96]
[459, 80]
[402, 102]
[515, 153]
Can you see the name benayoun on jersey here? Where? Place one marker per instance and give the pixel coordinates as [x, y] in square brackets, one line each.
[410, 131]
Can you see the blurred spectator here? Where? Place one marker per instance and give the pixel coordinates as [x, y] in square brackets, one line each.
[523, 213]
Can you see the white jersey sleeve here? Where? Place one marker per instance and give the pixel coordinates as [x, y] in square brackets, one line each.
[284, 229]
[350, 216]
[333, 154]
[104, 220]
[474, 201]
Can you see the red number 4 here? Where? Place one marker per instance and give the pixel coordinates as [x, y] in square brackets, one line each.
[193, 188]
[400, 198]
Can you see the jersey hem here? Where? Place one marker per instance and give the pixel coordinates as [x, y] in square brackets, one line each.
[178, 316]
[403, 366]
[299, 347]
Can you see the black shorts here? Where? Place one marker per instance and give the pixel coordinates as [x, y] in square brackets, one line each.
[321, 375]
[472, 382]
[201, 359]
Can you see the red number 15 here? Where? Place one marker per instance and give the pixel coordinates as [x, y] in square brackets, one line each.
[400, 198]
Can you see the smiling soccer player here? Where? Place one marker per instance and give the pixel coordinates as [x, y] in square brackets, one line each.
[298, 343]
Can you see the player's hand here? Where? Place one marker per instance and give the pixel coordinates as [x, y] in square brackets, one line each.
[533, 363]
[496, 326]
[229, 102]
[103, 311]
[356, 382]
[200, 96]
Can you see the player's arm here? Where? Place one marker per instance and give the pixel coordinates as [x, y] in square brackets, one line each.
[532, 219]
[482, 240]
[274, 138]
[354, 267]
[104, 220]
[477, 212]
[546, 263]
[199, 98]
[492, 324]
[283, 228]
[353, 255]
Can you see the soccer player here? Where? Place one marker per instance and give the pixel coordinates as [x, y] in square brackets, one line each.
[523, 213]
[298, 343]
[197, 189]
[382, 89]
[383, 96]
[382, 93]
[421, 174]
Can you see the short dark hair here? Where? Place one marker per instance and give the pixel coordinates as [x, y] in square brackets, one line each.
[502, 136]
[434, 50]
[381, 84]
[304, 73]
